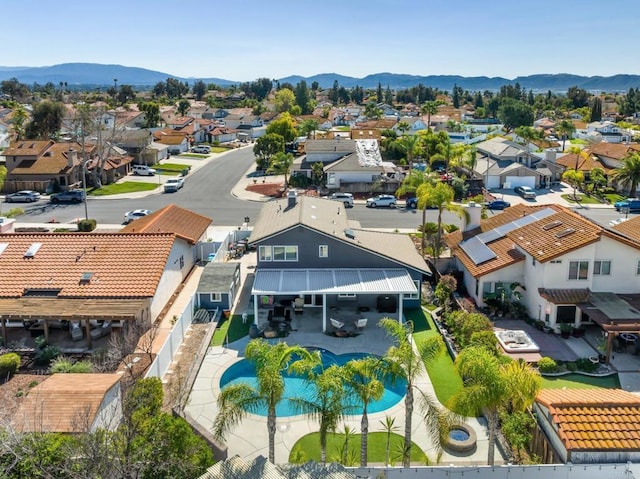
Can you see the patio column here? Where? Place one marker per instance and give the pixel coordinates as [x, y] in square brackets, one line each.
[324, 313]
[46, 330]
[255, 309]
[4, 332]
[87, 325]
[400, 296]
[578, 316]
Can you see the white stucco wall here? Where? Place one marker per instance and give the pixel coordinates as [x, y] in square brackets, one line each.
[173, 274]
[624, 262]
[109, 414]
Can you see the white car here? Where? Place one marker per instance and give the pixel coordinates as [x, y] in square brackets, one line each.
[381, 200]
[346, 198]
[173, 184]
[129, 216]
[201, 149]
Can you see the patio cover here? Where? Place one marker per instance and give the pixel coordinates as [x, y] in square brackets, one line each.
[333, 281]
[614, 312]
[72, 309]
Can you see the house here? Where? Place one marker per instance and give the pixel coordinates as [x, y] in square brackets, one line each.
[71, 403]
[503, 149]
[612, 155]
[309, 250]
[416, 124]
[507, 174]
[219, 285]
[43, 165]
[575, 271]
[609, 132]
[587, 426]
[117, 279]
[175, 142]
[189, 228]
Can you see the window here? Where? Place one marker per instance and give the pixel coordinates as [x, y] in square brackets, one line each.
[323, 251]
[285, 253]
[264, 253]
[215, 297]
[347, 296]
[415, 295]
[638, 268]
[602, 267]
[578, 269]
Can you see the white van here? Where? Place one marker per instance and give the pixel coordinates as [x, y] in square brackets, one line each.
[143, 170]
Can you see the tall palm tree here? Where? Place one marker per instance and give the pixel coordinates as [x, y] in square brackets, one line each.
[565, 128]
[414, 183]
[327, 403]
[237, 400]
[527, 133]
[406, 360]
[364, 379]
[490, 385]
[629, 172]
[429, 108]
[280, 164]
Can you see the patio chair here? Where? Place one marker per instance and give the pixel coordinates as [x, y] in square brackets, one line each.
[360, 324]
[298, 305]
[101, 331]
[336, 324]
[76, 331]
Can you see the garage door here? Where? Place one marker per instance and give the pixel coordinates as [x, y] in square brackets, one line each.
[521, 181]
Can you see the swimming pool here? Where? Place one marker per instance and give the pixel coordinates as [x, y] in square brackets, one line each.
[295, 386]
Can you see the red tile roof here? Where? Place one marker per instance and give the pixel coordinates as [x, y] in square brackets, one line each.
[122, 265]
[594, 419]
[183, 223]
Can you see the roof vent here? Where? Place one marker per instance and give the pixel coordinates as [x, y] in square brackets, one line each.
[553, 224]
[565, 232]
[86, 277]
[348, 232]
[33, 249]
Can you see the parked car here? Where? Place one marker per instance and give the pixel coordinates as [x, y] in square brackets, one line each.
[346, 198]
[382, 200]
[525, 191]
[411, 203]
[201, 149]
[173, 184]
[143, 170]
[24, 196]
[69, 196]
[632, 204]
[498, 205]
[129, 216]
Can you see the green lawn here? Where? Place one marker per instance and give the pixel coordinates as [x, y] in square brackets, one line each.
[584, 199]
[578, 381]
[126, 187]
[233, 327]
[444, 377]
[308, 448]
[613, 197]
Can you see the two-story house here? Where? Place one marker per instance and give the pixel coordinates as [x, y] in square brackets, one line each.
[573, 270]
[309, 251]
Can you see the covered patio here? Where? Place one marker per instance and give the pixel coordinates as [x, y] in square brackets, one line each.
[345, 295]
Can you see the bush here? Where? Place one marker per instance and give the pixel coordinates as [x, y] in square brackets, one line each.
[572, 367]
[299, 181]
[47, 354]
[64, 365]
[585, 364]
[547, 365]
[87, 225]
[9, 364]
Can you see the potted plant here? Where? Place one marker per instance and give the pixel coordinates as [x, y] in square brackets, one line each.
[565, 330]
[578, 332]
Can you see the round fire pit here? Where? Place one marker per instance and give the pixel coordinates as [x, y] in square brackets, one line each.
[462, 438]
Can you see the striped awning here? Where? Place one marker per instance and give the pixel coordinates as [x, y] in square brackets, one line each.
[333, 281]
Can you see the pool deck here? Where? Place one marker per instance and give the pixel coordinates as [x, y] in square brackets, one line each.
[249, 438]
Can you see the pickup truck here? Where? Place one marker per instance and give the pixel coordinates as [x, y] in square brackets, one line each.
[173, 184]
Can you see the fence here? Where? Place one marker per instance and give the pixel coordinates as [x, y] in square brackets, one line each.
[164, 357]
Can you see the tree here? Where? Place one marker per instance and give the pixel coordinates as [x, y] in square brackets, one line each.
[199, 89]
[46, 120]
[402, 361]
[514, 113]
[183, 107]
[280, 164]
[598, 178]
[266, 147]
[389, 428]
[126, 94]
[317, 173]
[578, 96]
[18, 120]
[429, 108]
[411, 145]
[439, 196]
[364, 379]
[596, 109]
[151, 111]
[372, 111]
[308, 127]
[575, 178]
[303, 98]
[566, 129]
[285, 126]
[236, 401]
[284, 100]
[413, 185]
[490, 385]
[327, 402]
[629, 172]
[527, 133]
[15, 89]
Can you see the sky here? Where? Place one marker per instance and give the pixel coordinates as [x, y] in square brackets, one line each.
[249, 39]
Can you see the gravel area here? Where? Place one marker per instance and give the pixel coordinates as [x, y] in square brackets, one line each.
[13, 392]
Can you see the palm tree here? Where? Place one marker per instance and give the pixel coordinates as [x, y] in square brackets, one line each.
[364, 378]
[527, 133]
[411, 144]
[237, 400]
[629, 172]
[327, 404]
[598, 178]
[389, 428]
[490, 385]
[414, 183]
[280, 164]
[565, 128]
[575, 178]
[406, 360]
[429, 108]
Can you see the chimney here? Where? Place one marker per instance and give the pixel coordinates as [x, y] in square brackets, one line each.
[71, 157]
[474, 211]
[292, 198]
[550, 155]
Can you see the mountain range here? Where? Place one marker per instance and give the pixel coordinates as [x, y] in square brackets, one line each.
[98, 75]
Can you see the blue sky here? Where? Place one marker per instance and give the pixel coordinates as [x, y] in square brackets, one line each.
[249, 39]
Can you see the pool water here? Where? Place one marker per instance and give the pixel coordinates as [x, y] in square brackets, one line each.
[294, 386]
[458, 435]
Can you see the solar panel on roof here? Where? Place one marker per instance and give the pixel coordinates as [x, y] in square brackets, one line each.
[500, 231]
[477, 250]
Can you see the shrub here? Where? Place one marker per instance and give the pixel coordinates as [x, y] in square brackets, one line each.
[9, 364]
[87, 225]
[47, 354]
[486, 339]
[585, 364]
[572, 367]
[547, 365]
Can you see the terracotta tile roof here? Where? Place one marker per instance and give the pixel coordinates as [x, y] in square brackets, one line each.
[613, 150]
[584, 164]
[629, 228]
[123, 265]
[64, 402]
[27, 148]
[594, 419]
[183, 223]
[565, 296]
[505, 256]
[53, 160]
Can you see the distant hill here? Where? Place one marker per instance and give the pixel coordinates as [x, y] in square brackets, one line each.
[103, 75]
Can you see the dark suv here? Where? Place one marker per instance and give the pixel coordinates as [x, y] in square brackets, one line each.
[70, 196]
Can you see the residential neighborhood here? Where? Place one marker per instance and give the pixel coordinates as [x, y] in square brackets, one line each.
[399, 251]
